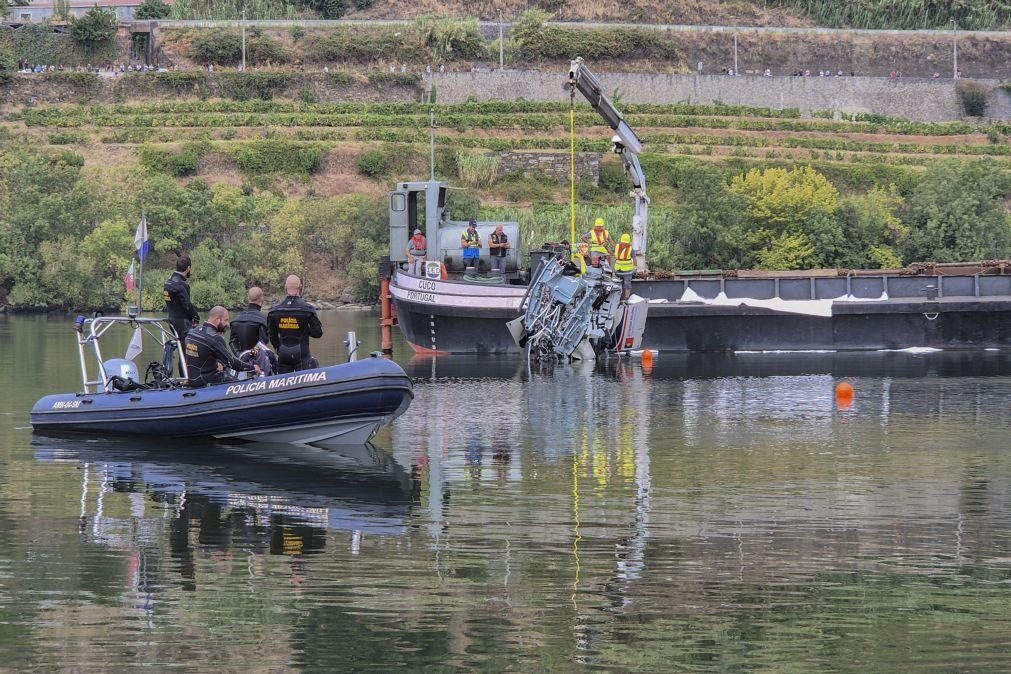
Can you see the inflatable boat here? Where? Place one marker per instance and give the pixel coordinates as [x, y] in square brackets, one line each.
[342, 404]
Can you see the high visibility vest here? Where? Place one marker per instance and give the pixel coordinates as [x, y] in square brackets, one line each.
[473, 239]
[597, 241]
[623, 258]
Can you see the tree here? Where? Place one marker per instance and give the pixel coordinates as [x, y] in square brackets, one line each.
[957, 213]
[782, 204]
[8, 65]
[873, 227]
[95, 29]
[153, 9]
[705, 217]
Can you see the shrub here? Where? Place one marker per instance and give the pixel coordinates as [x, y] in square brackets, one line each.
[152, 9]
[246, 86]
[448, 38]
[95, 29]
[363, 45]
[477, 169]
[372, 163]
[218, 47]
[67, 138]
[279, 156]
[178, 164]
[262, 50]
[973, 97]
[8, 64]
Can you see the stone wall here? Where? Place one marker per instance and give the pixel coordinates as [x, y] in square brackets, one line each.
[72, 87]
[550, 164]
[916, 99]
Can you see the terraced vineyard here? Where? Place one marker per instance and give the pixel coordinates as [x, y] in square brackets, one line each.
[729, 134]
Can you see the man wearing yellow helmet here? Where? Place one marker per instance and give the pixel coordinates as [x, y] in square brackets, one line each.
[624, 264]
[599, 239]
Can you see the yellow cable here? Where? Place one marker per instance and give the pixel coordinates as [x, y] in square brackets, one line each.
[572, 179]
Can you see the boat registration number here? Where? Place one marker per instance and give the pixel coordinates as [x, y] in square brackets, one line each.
[66, 404]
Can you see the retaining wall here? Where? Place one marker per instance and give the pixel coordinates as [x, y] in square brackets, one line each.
[916, 99]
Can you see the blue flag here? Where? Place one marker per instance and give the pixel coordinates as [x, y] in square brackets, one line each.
[140, 241]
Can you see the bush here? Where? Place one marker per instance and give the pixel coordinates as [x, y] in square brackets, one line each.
[448, 38]
[372, 163]
[68, 138]
[477, 169]
[183, 163]
[8, 64]
[95, 29]
[152, 9]
[363, 45]
[973, 97]
[263, 51]
[217, 47]
[279, 156]
[246, 86]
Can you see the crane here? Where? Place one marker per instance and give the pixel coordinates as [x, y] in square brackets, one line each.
[624, 143]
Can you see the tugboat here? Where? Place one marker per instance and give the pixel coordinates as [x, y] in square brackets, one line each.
[338, 405]
[941, 306]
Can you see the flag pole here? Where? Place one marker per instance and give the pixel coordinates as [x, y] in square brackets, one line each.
[140, 277]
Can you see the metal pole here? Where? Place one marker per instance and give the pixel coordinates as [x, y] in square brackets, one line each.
[954, 49]
[501, 51]
[386, 321]
[352, 343]
[431, 142]
[243, 39]
[736, 67]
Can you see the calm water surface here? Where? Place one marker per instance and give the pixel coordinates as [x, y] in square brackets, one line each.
[712, 514]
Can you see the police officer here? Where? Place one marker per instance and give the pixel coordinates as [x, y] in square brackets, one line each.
[181, 312]
[206, 353]
[290, 324]
[250, 328]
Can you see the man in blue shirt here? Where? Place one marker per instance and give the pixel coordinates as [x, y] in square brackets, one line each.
[470, 242]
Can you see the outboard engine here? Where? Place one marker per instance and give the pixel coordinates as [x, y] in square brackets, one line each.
[122, 374]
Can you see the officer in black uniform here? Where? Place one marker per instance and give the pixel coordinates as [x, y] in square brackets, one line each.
[181, 312]
[249, 328]
[206, 353]
[290, 324]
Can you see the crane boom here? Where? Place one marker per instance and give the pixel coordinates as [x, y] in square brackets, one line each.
[625, 143]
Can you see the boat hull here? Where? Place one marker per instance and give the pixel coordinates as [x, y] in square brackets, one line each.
[341, 404]
[974, 313]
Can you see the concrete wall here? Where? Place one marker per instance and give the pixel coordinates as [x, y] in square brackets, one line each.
[915, 99]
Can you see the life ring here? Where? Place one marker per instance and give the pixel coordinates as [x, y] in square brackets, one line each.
[442, 272]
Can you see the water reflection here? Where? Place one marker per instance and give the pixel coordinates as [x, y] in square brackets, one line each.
[275, 499]
[709, 513]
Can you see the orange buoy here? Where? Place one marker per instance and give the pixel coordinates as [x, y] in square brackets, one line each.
[647, 358]
[844, 395]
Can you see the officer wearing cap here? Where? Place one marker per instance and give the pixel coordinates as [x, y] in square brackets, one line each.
[470, 242]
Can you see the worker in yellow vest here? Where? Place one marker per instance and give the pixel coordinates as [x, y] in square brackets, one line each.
[624, 264]
[599, 239]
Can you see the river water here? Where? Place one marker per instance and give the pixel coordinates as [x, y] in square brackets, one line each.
[711, 513]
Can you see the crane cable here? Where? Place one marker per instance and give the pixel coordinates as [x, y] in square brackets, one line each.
[572, 168]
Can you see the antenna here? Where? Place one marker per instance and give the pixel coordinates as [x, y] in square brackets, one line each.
[431, 142]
